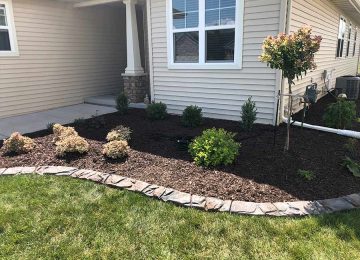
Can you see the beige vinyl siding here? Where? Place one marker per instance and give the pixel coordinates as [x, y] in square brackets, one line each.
[324, 18]
[66, 54]
[220, 93]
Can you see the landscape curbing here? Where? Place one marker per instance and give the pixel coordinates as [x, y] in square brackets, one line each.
[278, 209]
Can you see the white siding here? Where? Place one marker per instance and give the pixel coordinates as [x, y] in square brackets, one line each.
[66, 54]
[324, 17]
[220, 93]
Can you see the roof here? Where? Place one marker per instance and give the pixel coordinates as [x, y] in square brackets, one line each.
[350, 7]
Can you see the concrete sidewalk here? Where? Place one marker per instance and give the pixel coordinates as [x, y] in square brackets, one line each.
[38, 121]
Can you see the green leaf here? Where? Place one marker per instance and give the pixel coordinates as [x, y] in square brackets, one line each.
[352, 166]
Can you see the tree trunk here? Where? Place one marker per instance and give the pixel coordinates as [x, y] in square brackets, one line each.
[287, 143]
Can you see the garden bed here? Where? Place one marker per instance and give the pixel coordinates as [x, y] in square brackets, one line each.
[261, 173]
[314, 115]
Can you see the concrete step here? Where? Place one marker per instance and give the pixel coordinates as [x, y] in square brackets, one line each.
[109, 101]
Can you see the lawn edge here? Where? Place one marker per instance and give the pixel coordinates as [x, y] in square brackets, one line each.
[277, 209]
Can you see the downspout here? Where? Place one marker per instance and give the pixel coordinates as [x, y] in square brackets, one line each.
[285, 27]
[348, 133]
[150, 49]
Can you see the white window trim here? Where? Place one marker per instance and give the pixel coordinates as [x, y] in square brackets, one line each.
[239, 21]
[349, 31]
[356, 35]
[337, 38]
[12, 31]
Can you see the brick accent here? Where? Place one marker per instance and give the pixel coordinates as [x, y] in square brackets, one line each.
[136, 88]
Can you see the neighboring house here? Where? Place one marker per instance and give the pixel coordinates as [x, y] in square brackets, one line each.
[182, 52]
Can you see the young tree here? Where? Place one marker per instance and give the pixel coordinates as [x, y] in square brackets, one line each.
[293, 54]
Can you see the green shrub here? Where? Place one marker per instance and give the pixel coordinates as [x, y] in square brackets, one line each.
[214, 147]
[248, 115]
[156, 111]
[352, 146]
[96, 122]
[307, 175]
[80, 122]
[119, 133]
[49, 126]
[122, 103]
[192, 116]
[18, 144]
[341, 114]
[352, 166]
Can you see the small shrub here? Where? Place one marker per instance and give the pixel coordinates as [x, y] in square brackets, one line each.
[119, 133]
[352, 166]
[71, 144]
[341, 114]
[248, 115]
[352, 146]
[61, 132]
[18, 144]
[156, 111]
[116, 149]
[96, 122]
[192, 116]
[50, 126]
[122, 103]
[214, 147]
[80, 122]
[307, 175]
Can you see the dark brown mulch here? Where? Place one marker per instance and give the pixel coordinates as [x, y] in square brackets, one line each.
[262, 172]
[314, 115]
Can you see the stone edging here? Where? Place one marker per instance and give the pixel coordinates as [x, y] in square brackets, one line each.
[298, 208]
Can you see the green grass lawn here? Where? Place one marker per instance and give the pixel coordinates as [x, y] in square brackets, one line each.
[62, 218]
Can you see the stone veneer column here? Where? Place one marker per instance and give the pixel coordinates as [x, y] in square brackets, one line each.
[135, 88]
[135, 80]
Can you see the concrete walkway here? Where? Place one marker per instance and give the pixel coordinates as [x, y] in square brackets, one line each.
[38, 121]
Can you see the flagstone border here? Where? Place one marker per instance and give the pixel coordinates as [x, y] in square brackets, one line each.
[290, 209]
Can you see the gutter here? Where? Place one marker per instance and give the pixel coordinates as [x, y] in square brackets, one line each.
[283, 119]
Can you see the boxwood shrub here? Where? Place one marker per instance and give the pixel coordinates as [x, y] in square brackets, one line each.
[156, 111]
[192, 116]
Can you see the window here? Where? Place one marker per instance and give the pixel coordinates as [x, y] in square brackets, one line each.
[7, 33]
[341, 37]
[355, 41]
[205, 33]
[349, 41]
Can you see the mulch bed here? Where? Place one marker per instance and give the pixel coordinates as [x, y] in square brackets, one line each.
[261, 173]
[314, 115]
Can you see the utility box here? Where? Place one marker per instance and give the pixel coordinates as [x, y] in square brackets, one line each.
[349, 85]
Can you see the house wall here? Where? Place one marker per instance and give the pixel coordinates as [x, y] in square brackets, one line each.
[323, 17]
[66, 54]
[220, 93]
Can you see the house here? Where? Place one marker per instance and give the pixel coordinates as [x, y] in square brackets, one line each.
[56, 53]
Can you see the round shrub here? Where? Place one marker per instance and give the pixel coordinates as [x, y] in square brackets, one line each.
[61, 132]
[122, 103]
[341, 114]
[214, 147]
[119, 133]
[116, 149]
[18, 144]
[192, 116]
[156, 111]
[71, 144]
